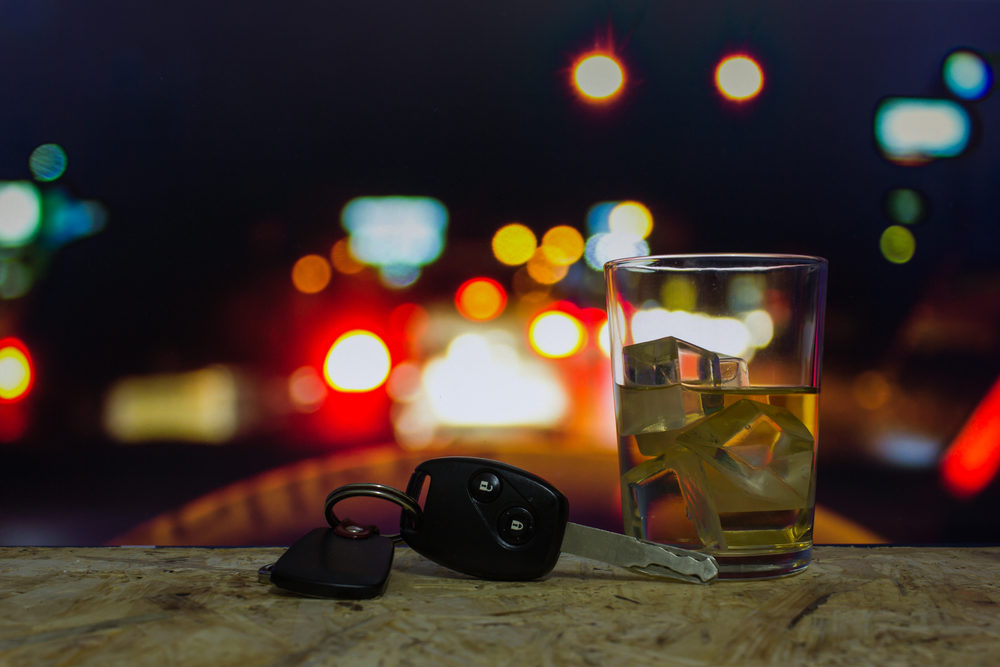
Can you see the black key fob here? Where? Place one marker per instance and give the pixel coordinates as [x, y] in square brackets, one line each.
[486, 518]
[348, 561]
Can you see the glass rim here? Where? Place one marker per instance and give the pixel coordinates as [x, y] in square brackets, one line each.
[718, 261]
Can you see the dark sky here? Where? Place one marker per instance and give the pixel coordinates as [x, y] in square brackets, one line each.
[224, 141]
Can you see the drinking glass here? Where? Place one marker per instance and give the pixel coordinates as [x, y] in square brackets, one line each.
[716, 369]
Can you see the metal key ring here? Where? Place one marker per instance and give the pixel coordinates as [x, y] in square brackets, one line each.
[408, 503]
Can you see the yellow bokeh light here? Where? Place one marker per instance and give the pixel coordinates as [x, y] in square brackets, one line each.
[739, 78]
[679, 293]
[357, 361]
[343, 260]
[544, 272]
[562, 245]
[311, 274]
[604, 338]
[555, 334]
[598, 77]
[898, 244]
[630, 217]
[15, 373]
[514, 244]
[480, 299]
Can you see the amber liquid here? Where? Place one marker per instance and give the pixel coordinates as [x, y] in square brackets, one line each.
[735, 477]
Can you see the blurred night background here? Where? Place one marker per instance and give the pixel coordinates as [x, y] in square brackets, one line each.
[250, 254]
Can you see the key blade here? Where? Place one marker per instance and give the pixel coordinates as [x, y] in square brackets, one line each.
[656, 560]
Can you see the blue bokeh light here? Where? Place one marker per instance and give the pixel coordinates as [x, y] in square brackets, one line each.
[967, 75]
[395, 231]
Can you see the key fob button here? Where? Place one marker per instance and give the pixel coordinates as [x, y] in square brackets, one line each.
[485, 486]
[516, 525]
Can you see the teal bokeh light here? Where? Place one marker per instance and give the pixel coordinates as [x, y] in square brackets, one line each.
[905, 206]
[915, 130]
[395, 231]
[967, 75]
[47, 162]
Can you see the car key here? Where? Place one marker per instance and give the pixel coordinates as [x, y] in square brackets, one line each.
[495, 521]
[347, 561]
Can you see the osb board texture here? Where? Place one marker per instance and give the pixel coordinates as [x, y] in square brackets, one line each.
[883, 605]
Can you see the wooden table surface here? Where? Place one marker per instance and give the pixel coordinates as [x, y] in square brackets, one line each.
[201, 606]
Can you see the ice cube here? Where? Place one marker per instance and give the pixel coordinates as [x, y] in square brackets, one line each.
[669, 361]
[644, 410]
[641, 483]
[758, 456]
[733, 372]
[669, 385]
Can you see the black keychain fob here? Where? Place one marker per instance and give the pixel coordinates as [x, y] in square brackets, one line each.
[349, 561]
[486, 518]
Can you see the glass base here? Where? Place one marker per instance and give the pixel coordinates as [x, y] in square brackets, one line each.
[765, 566]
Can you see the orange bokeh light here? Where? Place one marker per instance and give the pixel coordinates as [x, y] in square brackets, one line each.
[480, 299]
[311, 274]
[562, 245]
[343, 260]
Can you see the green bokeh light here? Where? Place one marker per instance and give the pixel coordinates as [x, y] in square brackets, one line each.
[905, 206]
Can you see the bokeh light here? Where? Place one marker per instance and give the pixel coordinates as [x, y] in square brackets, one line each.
[599, 77]
[480, 299]
[68, 219]
[604, 338]
[20, 213]
[724, 335]
[602, 248]
[16, 373]
[746, 292]
[306, 389]
[630, 218]
[739, 78]
[544, 272]
[404, 382]
[311, 274]
[514, 244]
[201, 406]
[398, 276]
[897, 244]
[871, 390]
[503, 389]
[562, 245]
[679, 293]
[342, 259]
[47, 162]
[15, 279]
[967, 74]
[761, 327]
[555, 334]
[905, 206]
[357, 361]
[915, 130]
[395, 231]
[597, 217]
